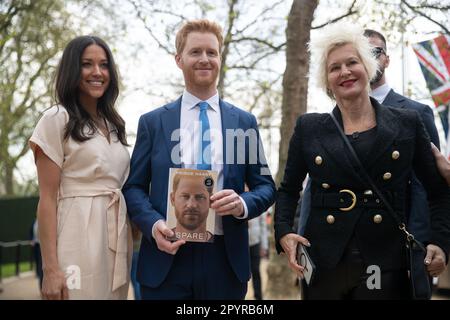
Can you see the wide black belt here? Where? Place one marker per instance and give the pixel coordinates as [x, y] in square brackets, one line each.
[346, 200]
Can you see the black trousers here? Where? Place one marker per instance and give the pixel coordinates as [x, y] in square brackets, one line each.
[353, 280]
[255, 259]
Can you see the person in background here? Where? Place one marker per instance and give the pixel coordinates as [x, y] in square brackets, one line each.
[418, 212]
[259, 248]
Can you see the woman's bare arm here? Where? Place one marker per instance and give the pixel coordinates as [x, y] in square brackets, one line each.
[49, 175]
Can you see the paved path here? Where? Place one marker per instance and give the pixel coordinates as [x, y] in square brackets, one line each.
[26, 287]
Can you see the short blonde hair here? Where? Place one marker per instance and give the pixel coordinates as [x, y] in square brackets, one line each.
[335, 36]
[200, 25]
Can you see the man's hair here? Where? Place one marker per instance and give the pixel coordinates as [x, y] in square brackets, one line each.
[372, 33]
[179, 176]
[338, 35]
[200, 25]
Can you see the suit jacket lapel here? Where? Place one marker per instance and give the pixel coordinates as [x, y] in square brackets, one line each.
[230, 119]
[170, 122]
[387, 130]
[332, 142]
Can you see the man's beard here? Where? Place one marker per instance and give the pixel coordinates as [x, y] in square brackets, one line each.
[377, 77]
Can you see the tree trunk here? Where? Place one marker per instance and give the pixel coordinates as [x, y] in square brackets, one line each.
[232, 14]
[295, 92]
[295, 79]
[9, 180]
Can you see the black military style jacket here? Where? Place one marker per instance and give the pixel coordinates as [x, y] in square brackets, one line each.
[343, 204]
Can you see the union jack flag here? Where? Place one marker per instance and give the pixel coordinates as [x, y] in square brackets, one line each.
[434, 59]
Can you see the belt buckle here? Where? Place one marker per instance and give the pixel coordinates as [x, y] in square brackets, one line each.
[350, 192]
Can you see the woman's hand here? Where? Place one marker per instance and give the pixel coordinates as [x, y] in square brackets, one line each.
[54, 286]
[289, 242]
[435, 260]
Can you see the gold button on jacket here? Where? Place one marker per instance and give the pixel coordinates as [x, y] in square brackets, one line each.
[330, 219]
[395, 155]
[377, 218]
[318, 160]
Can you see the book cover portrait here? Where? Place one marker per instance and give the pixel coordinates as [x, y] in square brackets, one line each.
[188, 205]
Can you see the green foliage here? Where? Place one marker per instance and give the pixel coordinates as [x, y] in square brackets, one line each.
[9, 269]
[32, 35]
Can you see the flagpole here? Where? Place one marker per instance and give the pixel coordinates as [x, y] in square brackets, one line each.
[403, 49]
[447, 138]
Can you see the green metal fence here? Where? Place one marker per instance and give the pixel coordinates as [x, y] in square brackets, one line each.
[16, 220]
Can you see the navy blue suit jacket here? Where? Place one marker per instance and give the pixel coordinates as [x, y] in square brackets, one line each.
[145, 191]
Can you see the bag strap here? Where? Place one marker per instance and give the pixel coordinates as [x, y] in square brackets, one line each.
[368, 179]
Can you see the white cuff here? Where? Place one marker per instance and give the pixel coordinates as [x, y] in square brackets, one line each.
[154, 226]
[245, 215]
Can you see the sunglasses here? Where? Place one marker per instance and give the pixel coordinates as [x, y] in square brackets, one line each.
[378, 51]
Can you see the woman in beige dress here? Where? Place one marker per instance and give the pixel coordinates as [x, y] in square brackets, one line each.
[80, 152]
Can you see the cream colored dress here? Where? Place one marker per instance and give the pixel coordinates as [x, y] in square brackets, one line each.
[94, 243]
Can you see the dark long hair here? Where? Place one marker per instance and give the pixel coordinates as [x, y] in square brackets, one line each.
[68, 76]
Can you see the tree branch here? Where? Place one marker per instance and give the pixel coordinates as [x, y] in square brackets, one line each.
[254, 63]
[263, 12]
[264, 90]
[349, 12]
[22, 152]
[149, 29]
[416, 10]
[232, 15]
[262, 41]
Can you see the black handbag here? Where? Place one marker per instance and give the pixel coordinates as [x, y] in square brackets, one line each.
[416, 251]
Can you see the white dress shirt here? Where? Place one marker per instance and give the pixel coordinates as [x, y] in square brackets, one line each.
[190, 142]
[190, 133]
[381, 92]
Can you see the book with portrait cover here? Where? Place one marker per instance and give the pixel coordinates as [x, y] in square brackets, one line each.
[189, 212]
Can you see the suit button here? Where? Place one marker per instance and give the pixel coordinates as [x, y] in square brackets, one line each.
[318, 160]
[395, 155]
[377, 218]
[325, 186]
[387, 176]
[330, 219]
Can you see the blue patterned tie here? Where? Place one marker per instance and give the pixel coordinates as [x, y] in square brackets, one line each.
[204, 156]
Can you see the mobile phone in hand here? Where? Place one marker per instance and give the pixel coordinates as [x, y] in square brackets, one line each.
[305, 261]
